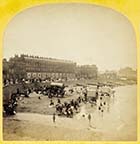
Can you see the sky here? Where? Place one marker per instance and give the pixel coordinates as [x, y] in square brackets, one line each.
[83, 33]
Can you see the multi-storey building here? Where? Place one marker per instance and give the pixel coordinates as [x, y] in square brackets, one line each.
[48, 67]
[127, 73]
[39, 67]
[87, 72]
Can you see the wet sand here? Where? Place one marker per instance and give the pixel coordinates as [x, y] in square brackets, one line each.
[117, 122]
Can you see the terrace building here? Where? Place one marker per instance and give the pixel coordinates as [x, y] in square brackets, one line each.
[30, 67]
[40, 67]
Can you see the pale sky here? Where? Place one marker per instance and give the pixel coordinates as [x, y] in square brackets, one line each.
[86, 34]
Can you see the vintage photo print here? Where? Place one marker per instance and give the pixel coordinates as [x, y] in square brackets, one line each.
[69, 74]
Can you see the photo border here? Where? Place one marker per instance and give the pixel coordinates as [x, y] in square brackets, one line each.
[129, 8]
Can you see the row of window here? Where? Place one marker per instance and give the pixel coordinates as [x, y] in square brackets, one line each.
[29, 75]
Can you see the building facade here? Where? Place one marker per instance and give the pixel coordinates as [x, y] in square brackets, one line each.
[108, 75]
[127, 73]
[87, 72]
[40, 67]
[31, 67]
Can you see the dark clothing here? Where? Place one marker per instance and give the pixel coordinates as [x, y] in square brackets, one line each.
[54, 118]
[89, 117]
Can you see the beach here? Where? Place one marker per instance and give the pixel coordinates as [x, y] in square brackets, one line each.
[33, 120]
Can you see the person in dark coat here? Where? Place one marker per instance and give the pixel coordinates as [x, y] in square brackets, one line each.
[54, 118]
[89, 118]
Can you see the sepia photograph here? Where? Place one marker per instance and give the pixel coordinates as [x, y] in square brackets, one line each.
[69, 74]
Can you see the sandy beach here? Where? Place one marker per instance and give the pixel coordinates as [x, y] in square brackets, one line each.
[33, 120]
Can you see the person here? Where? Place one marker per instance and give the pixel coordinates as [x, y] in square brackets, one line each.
[58, 101]
[96, 94]
[54, 118]
[89, 118]
[79, 99]
[102, 112]
[85, 97]
[51, 102]
[18, 91]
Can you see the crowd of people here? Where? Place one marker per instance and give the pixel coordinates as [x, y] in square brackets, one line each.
[67, 108]
[72, 106]
[10, 104]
